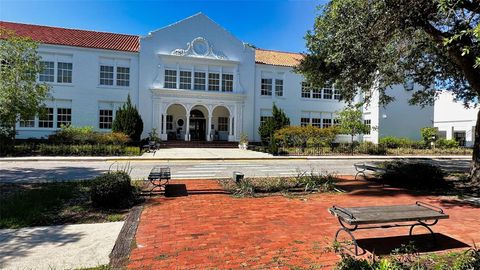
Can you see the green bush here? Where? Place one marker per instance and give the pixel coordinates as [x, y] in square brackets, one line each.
[429, 135]
[128, 121]
[306, 136]
[86, 135]
[112, 190]
[370, 148]
[86, 150]
[397, 142]
[446, 144]
[413, 175]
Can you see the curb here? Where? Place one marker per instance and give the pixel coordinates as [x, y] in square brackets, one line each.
[86, 159]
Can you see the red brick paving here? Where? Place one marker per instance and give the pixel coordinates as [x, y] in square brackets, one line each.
[212, 230]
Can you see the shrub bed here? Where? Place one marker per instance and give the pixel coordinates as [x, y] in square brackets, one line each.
[467, 260]
[413, 175]
[304, 182]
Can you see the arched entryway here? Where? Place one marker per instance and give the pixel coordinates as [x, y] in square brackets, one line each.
[198, 124]
[175, 122]
[221, 123]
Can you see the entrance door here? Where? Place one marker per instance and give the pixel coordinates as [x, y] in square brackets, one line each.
[197, 126]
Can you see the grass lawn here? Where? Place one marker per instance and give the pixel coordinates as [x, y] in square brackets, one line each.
[24, 205]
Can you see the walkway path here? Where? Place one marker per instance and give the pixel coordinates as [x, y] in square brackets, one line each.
[212, 230]
[58, 247]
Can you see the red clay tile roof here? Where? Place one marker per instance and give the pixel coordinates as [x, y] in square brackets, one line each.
[277, 58]
[74, 37]
[121, 42]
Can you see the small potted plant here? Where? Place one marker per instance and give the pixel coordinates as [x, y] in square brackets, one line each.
[243, 143]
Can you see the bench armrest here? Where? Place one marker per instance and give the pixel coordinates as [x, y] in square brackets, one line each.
[433, 207]
[344, 211]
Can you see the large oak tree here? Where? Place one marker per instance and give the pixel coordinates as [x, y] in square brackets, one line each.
[366, 44]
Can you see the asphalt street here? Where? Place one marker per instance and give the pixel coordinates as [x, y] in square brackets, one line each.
[44, 171]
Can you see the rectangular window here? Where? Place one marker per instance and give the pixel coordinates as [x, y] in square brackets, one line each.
[327, 122]
[264, 118]
[214, 81]
[316, 93]
[169, 122]
[222, 123]
[200, 81]
[48, 71]
[368, 123]
[28, 122]
[185, 80]
[106, 75]
[45, 118]
[123, 76]
[170, 78]
[279, 88]
[64, 72]
[306, 90]
[317, 122]
[105, 119]
[64, 117]
[327, 93]
[336, 122]
[336, 94]
[304, 121]
[266, 87]
[227, 82]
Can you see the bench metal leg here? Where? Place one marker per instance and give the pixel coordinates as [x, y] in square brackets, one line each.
[354, 241]
[425, 225]
[360, 172]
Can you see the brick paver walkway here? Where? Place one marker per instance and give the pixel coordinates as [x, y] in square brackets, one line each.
[212, 230]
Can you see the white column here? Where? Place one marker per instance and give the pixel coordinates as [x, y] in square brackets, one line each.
[235, 123]
[163, 135]
[187, 127]
[209, 128]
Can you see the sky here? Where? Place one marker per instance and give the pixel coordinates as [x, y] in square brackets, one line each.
[268, 24]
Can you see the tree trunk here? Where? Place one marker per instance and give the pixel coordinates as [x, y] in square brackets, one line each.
[475, 171]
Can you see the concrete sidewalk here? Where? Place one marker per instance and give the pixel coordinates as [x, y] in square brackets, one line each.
[58, 247]
[191, 154]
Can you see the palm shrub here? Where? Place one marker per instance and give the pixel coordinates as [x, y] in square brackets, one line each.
[128, 121]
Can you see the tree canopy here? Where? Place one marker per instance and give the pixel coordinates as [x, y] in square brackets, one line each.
[361, 45]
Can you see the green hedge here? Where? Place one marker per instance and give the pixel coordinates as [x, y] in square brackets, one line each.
[76, 150]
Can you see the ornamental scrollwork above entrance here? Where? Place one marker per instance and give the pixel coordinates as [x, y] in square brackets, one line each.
[200, 47]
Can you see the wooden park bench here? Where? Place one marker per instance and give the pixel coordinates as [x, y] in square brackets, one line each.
[362, 167]
[159, 177]
[382, 217]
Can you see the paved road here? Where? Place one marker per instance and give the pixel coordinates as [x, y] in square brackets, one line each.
[35, 171]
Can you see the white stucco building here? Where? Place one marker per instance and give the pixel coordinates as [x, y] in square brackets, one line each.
[453, 120]
[192, 80]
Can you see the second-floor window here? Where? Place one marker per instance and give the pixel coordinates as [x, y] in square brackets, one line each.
[185, 79]
[279, 87]
[123, 76]
[227, 82]
[106, 75]
[200, 81]
[170, 78]
[214, 81]
[64, 72]
[48, 71]
[306, 90]
[327, 93]
[266, 87]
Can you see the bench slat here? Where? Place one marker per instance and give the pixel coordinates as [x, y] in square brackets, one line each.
[387, 214]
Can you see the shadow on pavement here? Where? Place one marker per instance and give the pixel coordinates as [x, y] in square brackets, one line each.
[36, 175]
[422, 243]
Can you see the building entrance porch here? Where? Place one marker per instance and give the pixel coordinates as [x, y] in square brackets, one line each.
[183, 122]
